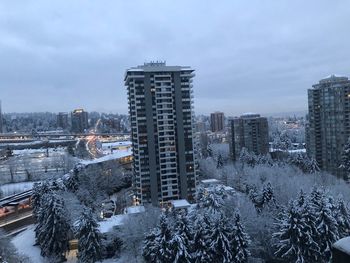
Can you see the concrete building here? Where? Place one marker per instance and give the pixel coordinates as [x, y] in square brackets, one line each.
[62, 120]
[249, 131]
[328, 126]
[160, 107]
[217, 121]
[80, 120]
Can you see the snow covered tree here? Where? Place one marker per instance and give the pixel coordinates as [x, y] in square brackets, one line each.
[240, 241]
[267, 194]
[220, 162]
[39, 190]
[220, 237]
[157, 246]
[327, 228]
[52, 235]
[293, 237]
[182, 240]
[201, 253]
[212, 198]
[343, 218]
[313, 166]
[246, 157]
[345, 160]
[89, 238]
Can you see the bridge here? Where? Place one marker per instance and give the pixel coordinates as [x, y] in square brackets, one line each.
[29, 136]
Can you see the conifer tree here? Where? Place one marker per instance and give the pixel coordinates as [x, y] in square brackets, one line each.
[293, 236]
[240, 241]
[327, 228]
[201, 253]
[157, 245]
[345, 160]
[89, 238]
[52, 236]
[220, 236]
[343, 218]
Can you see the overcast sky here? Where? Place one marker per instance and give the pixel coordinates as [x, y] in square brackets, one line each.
[256, 56]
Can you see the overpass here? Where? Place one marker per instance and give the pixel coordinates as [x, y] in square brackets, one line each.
[31, 136]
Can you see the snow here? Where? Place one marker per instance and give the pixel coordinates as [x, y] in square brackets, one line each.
[24, 244]
[15, 188]
[182, 203]
[115, 144]
[107, 224]
[210, 181]
[135, 209]
[116, 155]
[343, 245]
[41, 150]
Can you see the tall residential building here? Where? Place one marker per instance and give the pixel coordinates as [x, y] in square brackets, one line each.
[328, 121]
[80, 120]
[160, 107]
[249, 131]
[62, 120]
[217, 121]
[1, 120]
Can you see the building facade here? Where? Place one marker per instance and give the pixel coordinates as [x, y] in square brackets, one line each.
[161, 115]
[328, 126]
[249, 131]
[62, 120]
[80, 121]
[217, 121]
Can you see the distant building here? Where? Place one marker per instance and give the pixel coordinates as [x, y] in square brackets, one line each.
[80, 120]
[249, 131]
[200, 126]
[217, 121]
[62, 120]
[160, 107]
[1, 120]
[328, 127]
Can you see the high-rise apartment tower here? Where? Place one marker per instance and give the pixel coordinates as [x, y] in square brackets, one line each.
[328, 122]
[161, 115]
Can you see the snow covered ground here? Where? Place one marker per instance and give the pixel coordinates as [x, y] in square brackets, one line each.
[24, 244]
[107, 224]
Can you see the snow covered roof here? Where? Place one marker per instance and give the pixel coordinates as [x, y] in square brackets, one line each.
[210, 181]
[135, 209]
[113, 144]
[343, 245]
[109, 157]
[182, 203]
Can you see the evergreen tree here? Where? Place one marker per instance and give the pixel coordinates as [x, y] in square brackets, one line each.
[182, 240]
[293, 236]
[240, 241]
[267, 194]
[345, 160]
[89, 238]
[343, 218]
[220, 162]
[212, 198]
[201, 253]
[52, 235]
[157, 246]
[327, 228]
[313, 166]
[220, 237]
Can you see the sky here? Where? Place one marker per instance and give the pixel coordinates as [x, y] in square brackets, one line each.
[249, 55]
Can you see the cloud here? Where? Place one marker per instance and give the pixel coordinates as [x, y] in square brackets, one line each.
[257, 56]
